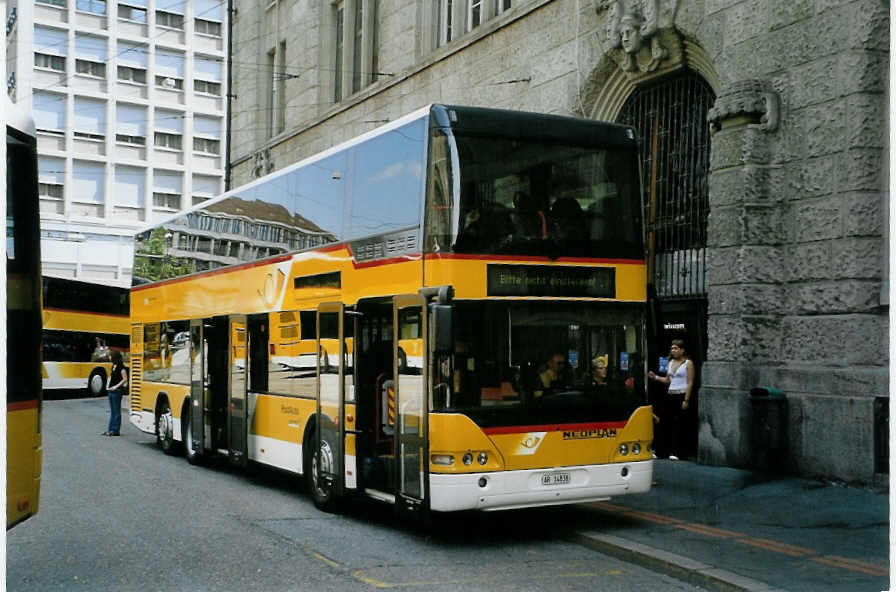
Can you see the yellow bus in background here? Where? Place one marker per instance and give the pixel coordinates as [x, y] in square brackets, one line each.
[23, 320]
[82, 323]
[446, 313]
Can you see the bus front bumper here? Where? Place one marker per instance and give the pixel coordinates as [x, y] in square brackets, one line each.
[506, 490]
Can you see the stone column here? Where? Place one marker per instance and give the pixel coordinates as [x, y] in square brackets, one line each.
[744, 268]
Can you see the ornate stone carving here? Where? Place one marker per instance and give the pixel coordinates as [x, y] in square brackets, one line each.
[750, 99]
[263, 164]
[638, 34]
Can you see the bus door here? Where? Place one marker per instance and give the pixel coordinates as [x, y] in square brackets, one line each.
[409, 368]
[197, 387]
[329, 439]
[237, 426]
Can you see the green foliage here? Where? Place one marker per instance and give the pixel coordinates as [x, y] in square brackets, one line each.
[151, 259]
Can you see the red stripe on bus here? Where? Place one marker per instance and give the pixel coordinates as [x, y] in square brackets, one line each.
[534, 258]
[212, 272]
[21, 405]
[562, 427]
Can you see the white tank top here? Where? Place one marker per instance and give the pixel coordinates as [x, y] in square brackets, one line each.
[679, 378]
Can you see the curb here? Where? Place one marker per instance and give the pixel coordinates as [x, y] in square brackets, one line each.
[676, 566]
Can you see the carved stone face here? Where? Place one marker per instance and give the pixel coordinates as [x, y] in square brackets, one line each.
[631, 36]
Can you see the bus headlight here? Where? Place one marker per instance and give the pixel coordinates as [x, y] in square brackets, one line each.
[623, 449]
[468, 458]
[442, 459]
[636, 448]
[482, 458]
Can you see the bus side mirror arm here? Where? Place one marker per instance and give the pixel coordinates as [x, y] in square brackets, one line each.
[442, 319]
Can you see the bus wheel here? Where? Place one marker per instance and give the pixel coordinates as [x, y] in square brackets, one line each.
[321, 486]
[193, 456]
[96, 384]
[165, 428]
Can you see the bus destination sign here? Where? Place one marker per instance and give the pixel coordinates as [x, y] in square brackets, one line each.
[542, 280]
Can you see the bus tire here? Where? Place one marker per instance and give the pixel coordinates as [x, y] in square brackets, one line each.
[165, 427]
[96, 383]
[322, 492]
[194, 457]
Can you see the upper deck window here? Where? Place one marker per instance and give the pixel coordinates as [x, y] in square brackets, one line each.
[526, 196]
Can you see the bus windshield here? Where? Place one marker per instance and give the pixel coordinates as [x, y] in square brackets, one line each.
[546, 197]
[527, 363]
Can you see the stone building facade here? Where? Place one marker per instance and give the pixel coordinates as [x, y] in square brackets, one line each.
[791, 258]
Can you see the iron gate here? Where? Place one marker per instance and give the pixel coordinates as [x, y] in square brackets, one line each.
[670, 118]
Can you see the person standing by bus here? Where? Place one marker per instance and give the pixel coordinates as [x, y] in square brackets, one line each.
[118, 383]
[680, 379]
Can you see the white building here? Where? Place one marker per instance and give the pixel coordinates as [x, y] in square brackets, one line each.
[129, 99]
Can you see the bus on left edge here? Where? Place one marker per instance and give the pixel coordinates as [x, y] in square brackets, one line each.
[24, 400]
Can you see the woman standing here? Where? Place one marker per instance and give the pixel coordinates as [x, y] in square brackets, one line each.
[680, 379]
[118, 384]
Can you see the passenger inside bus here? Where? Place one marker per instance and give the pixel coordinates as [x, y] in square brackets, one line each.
[568, 224]
[529, 219]
[541, 362]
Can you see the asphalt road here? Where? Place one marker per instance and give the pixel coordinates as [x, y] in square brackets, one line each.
[117, 514]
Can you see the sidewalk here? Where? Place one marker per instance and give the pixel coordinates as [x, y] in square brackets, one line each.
[731, 529]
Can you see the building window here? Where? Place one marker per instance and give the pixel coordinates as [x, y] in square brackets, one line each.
[170, 82]
[207, 146]
[133, 140]
[206, 87]
[205, 27]
[94, 6]
[50, 190]
[49, 62]
[88, 68]
[355, 53]
[170, 201]
[474, 14]
[357, 45]
[89, 136]
[339, 46]
[198, 199]
[131, 74]
[169, 19]
[280, 90]
[501, 6]
[53, 2]
[132, 13]
[444, 21]
[168, 140]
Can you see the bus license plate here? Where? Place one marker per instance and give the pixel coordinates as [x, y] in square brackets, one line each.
[555, 479]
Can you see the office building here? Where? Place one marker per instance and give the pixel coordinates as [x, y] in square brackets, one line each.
[129, 100]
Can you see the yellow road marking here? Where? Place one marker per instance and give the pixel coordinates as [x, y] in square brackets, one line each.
[361, 576]
[326, 560]
[852, 564]
[784, 548]
[770, 545]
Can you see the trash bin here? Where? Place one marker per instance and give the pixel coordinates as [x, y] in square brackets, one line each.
[769, 433]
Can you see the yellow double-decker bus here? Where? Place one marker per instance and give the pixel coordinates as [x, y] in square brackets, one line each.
[83, 323]
[446, 313]
[23, 320]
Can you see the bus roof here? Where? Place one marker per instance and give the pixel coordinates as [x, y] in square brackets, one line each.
[458, 118]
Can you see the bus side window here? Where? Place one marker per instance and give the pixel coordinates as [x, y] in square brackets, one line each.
[258, 354]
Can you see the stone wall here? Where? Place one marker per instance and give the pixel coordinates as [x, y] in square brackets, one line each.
[797, 234]
[796, 243]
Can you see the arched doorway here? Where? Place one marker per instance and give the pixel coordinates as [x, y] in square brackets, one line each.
[670, 117]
